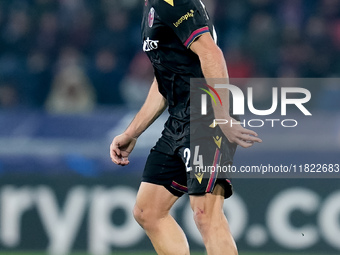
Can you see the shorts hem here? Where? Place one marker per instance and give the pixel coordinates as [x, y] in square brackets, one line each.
[228, 189]
[171, 189]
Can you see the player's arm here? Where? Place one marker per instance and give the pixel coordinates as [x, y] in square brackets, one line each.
[214, 66]
[123, 144]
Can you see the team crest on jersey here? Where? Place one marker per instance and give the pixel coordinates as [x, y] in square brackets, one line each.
[151, 17]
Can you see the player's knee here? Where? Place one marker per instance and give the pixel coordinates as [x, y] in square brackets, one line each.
[143, 217]
[138, 215]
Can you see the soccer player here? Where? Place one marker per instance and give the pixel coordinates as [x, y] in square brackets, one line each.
[179, 39]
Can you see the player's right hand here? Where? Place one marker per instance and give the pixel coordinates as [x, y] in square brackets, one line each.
[120, 149]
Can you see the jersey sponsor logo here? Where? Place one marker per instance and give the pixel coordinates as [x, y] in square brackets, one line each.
[151, 17]
[171, 2]
[150, 45]
[184, 18]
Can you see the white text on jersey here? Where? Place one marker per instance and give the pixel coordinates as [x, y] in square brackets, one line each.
[150, 45]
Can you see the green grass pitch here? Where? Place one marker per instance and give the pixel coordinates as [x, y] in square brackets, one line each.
[149, 253]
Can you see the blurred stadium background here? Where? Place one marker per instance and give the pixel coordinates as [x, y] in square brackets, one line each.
[72, 75]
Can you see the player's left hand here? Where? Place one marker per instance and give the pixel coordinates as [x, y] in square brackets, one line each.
[121, 148]
[236, 133]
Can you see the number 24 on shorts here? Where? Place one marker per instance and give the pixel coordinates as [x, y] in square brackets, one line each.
[198, 159]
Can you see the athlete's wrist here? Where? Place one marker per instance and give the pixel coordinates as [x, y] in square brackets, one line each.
[222, 115]
[133, 136]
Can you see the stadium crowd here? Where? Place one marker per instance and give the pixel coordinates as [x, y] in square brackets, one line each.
[76, 55]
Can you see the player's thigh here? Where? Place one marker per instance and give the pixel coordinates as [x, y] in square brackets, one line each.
[154, 200]
[209, 203]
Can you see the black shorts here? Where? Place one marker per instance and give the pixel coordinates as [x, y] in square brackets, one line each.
[176, 167]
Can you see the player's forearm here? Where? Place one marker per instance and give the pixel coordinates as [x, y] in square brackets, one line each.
[144, 118]
[153, 107]
[214, 66]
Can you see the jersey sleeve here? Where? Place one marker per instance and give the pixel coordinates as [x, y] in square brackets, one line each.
[187, 18]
